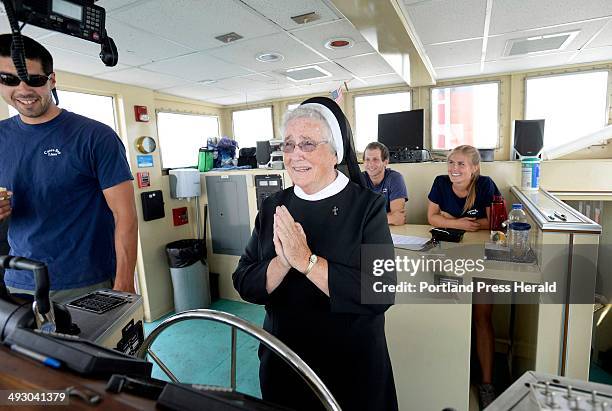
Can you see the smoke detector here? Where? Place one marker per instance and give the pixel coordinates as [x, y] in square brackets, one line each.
[539, 44]
[306, 73]
[269, 57]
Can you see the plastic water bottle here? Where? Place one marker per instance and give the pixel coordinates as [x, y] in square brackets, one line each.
[517, 215]
[518, 231]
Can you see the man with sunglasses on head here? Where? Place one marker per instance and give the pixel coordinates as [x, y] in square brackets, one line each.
[69, 187]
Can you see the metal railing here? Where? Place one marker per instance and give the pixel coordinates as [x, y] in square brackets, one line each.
[270, 341]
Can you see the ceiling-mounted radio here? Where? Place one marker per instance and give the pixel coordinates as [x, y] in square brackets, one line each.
[79, 18]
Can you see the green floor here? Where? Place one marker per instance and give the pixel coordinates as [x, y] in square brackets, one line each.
[199, 351]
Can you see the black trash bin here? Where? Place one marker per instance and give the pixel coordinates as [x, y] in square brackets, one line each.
[189, 273]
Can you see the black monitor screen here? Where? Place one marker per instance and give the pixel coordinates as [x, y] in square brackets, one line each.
[528, 137]
[401, 130]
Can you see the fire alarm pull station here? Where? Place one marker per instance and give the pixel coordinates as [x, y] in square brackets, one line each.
[143, 179]
[141, 113]
[179, 216]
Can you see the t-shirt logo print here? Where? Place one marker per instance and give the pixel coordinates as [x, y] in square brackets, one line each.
[52, 152]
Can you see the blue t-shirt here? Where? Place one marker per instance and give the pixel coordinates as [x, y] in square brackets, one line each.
[57, 171]
[443, 195]
[392, 186]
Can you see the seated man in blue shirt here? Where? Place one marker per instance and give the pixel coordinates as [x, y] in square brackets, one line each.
[385, 181]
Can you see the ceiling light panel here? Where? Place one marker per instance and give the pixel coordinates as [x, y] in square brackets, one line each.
[497, 44]
[338, 74]
[539, 44]
[306, 73]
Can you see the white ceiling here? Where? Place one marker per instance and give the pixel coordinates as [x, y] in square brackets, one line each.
[468, 37]
[170, 45]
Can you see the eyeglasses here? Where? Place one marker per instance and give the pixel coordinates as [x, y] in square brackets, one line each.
[306, 146]
[34, 80]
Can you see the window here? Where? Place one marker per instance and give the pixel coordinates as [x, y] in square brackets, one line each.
[572, 105]
[292, 106]
[465, 115]
[367, 109]
[251, 126]
[182, 135]
[101, 108]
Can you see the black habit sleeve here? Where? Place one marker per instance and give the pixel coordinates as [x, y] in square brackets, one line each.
[250, 275]
[345, 281]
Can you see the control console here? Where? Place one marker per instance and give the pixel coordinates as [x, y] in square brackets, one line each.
[404, 155]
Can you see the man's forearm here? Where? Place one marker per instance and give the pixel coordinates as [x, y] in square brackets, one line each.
[126, 238]
[396, 217]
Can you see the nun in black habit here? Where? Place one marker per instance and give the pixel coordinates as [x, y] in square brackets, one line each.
[303, 262]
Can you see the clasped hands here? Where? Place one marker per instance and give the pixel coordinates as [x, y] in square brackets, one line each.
[463, 223]
[290, 241]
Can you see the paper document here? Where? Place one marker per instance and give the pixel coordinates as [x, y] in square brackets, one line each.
[408, 241]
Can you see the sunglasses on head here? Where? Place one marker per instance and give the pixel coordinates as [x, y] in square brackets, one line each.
[34, 80]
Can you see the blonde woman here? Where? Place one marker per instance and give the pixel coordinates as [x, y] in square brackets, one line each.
[462, 199]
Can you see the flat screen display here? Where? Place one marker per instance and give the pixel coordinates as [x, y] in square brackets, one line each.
[528, 137]
[403, 129]
[67, 9]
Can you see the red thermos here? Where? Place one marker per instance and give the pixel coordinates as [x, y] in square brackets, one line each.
[498, 214]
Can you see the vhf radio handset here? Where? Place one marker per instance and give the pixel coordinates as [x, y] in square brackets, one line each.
[78, 18]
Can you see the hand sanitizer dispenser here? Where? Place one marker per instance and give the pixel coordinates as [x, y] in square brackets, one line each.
[184, 183]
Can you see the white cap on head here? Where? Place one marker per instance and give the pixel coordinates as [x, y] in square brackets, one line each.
[334, 126]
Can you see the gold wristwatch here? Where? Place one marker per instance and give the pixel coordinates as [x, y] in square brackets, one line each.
[311, 263]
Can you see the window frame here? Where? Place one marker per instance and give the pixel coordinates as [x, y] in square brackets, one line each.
[159, 144]
[608, 108]
[288, 103]
[357, 95]
[271, 106]
[114, 97]
[498, 141]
